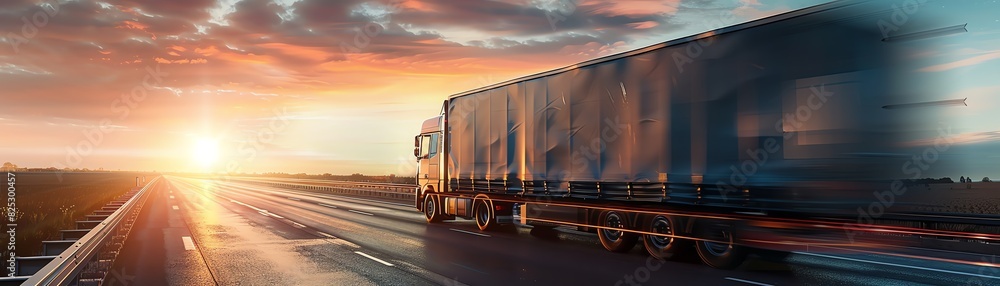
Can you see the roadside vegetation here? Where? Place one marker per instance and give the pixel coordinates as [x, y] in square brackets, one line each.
[46, 205]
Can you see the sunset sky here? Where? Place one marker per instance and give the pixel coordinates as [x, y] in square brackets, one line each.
[288, 85]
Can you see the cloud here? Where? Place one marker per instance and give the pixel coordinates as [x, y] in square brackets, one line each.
[979, 59]
[229, 60]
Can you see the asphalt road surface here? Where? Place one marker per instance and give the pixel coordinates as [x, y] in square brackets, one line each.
[204, 232]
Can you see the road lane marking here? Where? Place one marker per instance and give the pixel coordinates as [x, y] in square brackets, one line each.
[329, 206]
[294, 199]
[336, 197]
[469, 232]
[373, 258]
[188, 243]
[171, 197]
[260, 210]
[374, 201]
[264, 213]
[748, 281]
[345, 243]
[470, 268]
[327, 235]
[360, 212]
[898, 265]
[299, 225]
[324, 196]
[176, 208]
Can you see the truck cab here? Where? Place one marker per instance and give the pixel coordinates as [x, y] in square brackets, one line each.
[428, 149]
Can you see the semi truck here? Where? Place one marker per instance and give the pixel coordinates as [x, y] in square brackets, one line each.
[817, 113]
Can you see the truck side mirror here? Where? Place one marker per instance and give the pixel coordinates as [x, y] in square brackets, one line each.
[416, 147]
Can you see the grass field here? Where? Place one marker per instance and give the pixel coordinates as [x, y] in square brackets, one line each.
[957, 198]
[46, 205]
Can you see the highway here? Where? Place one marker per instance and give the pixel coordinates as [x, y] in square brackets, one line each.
[204, 232]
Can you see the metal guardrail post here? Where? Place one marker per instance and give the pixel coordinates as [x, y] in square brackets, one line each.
[89, 258]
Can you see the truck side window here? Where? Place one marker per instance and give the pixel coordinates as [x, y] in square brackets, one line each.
[433, 149]
[425, 145]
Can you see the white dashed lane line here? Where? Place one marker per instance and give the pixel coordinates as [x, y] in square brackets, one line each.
[175, 208]
[373, 258]
[470, 268]
[747, 281]
[900, 265]
[326, 205]
[188, 243]
[469, 232]
[360, 212]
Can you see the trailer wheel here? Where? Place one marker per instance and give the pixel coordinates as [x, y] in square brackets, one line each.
[663, 247]
[431, 209]
[485, 217]
[719, 255]
[616, 240]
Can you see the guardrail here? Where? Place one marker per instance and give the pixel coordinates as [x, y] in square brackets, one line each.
[390, 187]
[85, 260]
[401, 192]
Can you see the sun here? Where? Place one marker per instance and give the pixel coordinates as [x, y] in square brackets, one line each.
[205, 152]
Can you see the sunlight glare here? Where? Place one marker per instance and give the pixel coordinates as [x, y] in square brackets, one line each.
[205, 152]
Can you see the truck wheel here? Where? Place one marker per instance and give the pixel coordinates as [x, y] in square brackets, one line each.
[616, 240]
[663, 247]
[719, 255]
[431, 209]
[485, 217]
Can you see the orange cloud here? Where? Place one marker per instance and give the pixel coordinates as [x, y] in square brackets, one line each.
[415, 5]
[209, 51]
[642, 7]
[133, 25]
[311, 53]
[989, 56]
[644, 25]
[183, 61]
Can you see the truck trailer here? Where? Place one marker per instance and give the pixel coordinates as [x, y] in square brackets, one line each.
[810, 114]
